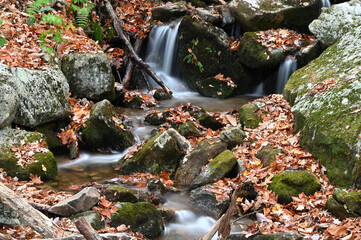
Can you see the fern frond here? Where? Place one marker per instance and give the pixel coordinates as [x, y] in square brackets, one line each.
[82, 17]
[3, 41]
[35, 7]
[53, 19]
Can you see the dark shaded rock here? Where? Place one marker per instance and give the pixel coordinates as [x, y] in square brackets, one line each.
[232, 136]
[307, 54]
[351, 201]
[192, 163]
[52, 139]
[248, 191]
[44, 164]
[141, 217]
[336, 209]
[169, 11]
[291, 183]
[262, 15]
[268, 154]
[160, 95]
[248, 116]
[204, 201]
[210, 46]
[212, 87]
[118, 193]
[156, 118]
[216, 169]
[277, 236]
[188, 129]
[104, 130]
[80, 202]
[208, 16]
[93, 217]
[89, 75]
[209, 121]
[155, 185]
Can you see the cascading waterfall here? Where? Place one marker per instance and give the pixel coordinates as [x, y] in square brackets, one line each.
[326, 3]
[162, 55]
[286, 69]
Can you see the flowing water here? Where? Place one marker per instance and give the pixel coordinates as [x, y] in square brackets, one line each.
[285, 70]
[325, 3]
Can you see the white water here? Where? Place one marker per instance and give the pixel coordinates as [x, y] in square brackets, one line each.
[326, 3]
[162, 56]
[286, 69]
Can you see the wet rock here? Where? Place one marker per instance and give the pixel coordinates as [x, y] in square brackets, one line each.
[42, 95]
[336, 209]
[192, 163]
[156, 118]
[160, 153]
[167, 214]
[205, 201]
[104, 130]
[291, 183]
[267, 155]
[307, 54]
[209, 121]
[210, 46]
[89, 75]
[208, 16]
[155, 185]
[248, 116]
[232, 136]
[160, 95]
[336, 21]
[8, 216]
[51, 136]
[9, 103]
[277, 236]
[225, 12]
[212, 87]
[141, 217]
[344, 204]
[44, 164]
[93, 217]
[188, 129]
[120, 194]
[262, 15]
[328, 128]
[169, 11]
[216, 169]
[80, 202]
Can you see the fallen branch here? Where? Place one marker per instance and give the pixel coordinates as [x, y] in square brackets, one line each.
[145, 78]
[35, 219]
[133, 54]
[86, 229]
[131, 65]
[40, 207]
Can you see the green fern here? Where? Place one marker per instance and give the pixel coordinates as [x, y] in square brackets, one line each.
[3, 41]
[34, 9]
[53, 19]
[56, 36]
[82, 17]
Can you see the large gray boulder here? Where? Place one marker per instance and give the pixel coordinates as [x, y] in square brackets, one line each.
[44, 163]
[80, 202]
[336, 21]
[255, 15]
[169, 11]
[89, 75]
[8, 216]
[325, 99]
[9, 102]
[42, 95]
[104, 130]
[210, 46]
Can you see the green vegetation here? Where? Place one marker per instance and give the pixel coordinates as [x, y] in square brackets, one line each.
[192, 58]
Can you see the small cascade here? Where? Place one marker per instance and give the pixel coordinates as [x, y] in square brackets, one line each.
[286, 69]
[258, 92]
[162, 55]
[325, 3]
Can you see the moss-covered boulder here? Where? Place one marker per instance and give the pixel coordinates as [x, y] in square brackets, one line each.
[336, 209]
[262, 15]
[156, 118]
[232, 136]
[351, 200]
[248, 116]
[43, 165]
[291, 183]
[210, 121]
[169, 11]
[213, 87]
[160, 95]
[204, 201]
[254, 55]
[160, 153]
[118, 193]
[141, 217]
[93, 217]
[42, 95]
[89, 75]
[188, 129]
[325, 98]
[104, 130]
[268, 154]
[209, 45]
[192, 163]
[50, 132]
[218, 168]
[275, 236]
[336, 21]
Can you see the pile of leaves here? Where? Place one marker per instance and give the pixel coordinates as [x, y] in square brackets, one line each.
[24, 42]
[25, 153]
[228, 80]
[284, 39]
[145, 100]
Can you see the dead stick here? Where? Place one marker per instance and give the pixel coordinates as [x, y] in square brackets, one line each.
[133, 54]
[131, 65]
[35, 219]
[145, 78]
[86, 229]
